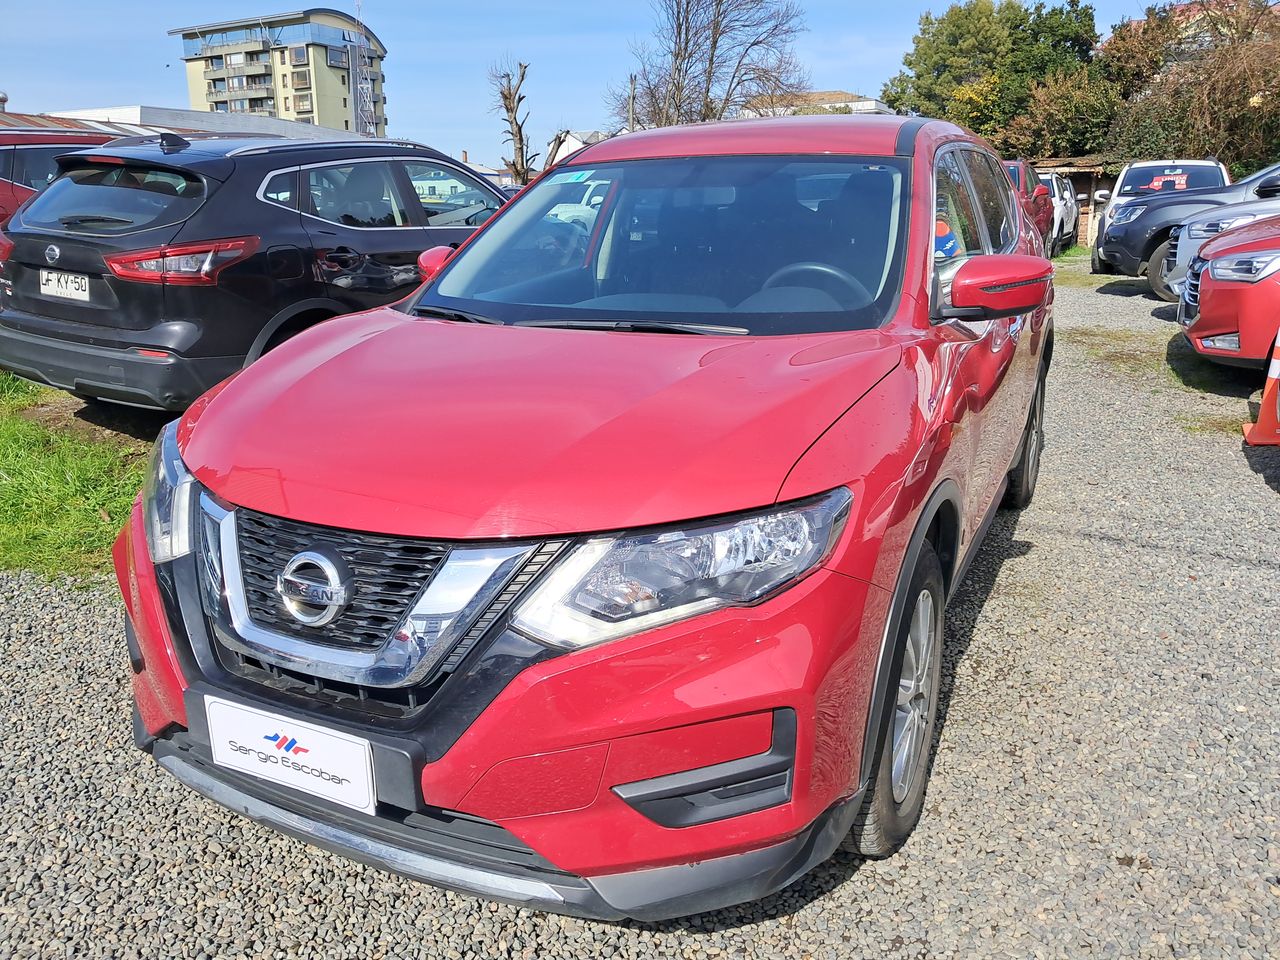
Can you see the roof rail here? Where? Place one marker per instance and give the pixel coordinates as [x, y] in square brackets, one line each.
[160, 138]
[292, 144]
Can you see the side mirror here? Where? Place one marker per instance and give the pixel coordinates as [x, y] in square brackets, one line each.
[1082, 197]
[1040, 191]
[1269, 187]
[1002, 285]
[432, 261]
[1102, 196]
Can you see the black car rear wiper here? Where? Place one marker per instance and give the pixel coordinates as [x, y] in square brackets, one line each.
[448, 313]
[83, 219]
[640, 326]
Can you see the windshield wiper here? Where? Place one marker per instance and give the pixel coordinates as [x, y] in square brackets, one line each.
[447, 313]
[639, 326]
[92, 218]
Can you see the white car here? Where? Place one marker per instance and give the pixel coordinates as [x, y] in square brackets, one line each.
[1149, 176]
[1066, 212]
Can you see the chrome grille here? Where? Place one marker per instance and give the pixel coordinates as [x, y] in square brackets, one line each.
[1191, 293]
[389, 573]
[1171, 258]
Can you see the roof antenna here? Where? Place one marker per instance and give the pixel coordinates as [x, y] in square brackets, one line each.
[172, 143]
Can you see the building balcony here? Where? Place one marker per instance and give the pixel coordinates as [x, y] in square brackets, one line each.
[236, 46]
[244, 70]
[241, 93]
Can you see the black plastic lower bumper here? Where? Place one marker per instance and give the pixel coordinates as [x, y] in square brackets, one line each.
[168, 383]
[476, 859]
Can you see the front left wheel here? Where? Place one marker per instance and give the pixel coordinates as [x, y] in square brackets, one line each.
[895, 796]
[1155, 274]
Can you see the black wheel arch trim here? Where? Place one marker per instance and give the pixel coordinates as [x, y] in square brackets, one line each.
[315, 304]
[948, 491]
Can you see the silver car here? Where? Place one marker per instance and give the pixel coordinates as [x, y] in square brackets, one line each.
[1186, 240]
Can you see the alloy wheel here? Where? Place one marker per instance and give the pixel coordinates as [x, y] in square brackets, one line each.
[912, 712]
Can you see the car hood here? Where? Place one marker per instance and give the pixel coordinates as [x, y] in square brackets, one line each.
[1209, 195]
[386, 423]
[1249, 238]
[1256, 208]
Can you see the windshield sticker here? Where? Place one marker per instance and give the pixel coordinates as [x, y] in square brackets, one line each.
[570, 176]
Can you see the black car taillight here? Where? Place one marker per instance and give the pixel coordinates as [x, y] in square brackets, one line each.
[189, 264]
[6, 251]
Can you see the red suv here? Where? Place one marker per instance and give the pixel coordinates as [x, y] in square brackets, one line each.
[1034, 196]
[27, 161]
[1230, 305]
[607, 574]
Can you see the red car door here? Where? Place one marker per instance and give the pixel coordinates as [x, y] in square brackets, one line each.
[983, 355]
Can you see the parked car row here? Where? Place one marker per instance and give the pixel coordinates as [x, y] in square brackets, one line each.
[1210, 245]
[153, 268]
[605, 571]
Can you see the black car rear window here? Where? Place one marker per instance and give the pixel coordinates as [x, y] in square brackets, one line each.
[110, 199]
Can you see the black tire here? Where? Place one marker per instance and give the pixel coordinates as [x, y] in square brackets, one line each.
[1097, 264]
[1155, 274]
[885, 820]
[1025, 473]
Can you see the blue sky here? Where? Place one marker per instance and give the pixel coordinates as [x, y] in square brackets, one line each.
[54, 55]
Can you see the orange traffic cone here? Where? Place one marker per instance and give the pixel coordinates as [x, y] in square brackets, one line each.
[1266, 432]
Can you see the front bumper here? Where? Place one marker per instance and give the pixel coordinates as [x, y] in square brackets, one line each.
[110, 373]
[1115, 250]
[550, 756]
[1250, 310]
[649, 895]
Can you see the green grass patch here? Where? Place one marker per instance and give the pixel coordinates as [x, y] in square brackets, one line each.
[1213, 425]
[64, 494]
[1073, 254]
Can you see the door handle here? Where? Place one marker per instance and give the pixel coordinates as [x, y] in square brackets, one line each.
[342, 257]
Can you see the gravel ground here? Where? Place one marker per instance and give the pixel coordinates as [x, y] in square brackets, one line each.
[1107, 783]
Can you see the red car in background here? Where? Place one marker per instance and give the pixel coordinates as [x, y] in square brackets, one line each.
[26, 161]
[607, 574]
[1230, 306]
[1034, 196]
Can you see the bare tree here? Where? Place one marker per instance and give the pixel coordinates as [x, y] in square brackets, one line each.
[506, 78]
[710, 58]
[553, 148]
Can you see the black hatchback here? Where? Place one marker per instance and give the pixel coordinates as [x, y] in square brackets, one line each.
[153, 268]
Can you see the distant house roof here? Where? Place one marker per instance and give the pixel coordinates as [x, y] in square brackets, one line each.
[589, 137]
[1093, 163]
[44, 121]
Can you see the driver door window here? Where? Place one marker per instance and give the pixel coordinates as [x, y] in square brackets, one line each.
[449, 198]
[956, 234]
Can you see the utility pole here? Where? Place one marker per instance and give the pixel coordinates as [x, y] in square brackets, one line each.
[631, 106]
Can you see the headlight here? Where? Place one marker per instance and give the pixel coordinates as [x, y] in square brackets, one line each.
[1211, 228]
[1249, 267]
[1130, 211]
[609, 587]
[166, 500]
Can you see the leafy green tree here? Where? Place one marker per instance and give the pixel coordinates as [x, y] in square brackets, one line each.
[977, 63]
[963, 45]
[1069, 114]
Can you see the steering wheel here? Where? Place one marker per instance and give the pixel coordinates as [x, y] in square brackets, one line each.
[861, 296]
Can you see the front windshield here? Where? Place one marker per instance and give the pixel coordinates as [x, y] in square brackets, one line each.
[1156, 178]
[772, 245]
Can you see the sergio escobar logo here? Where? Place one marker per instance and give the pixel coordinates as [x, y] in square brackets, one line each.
[287, 762]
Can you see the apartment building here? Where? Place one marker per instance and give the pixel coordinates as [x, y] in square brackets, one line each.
[317, 66]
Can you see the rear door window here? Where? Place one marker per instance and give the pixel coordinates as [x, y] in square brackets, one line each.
[107, 199]
[356, 195]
